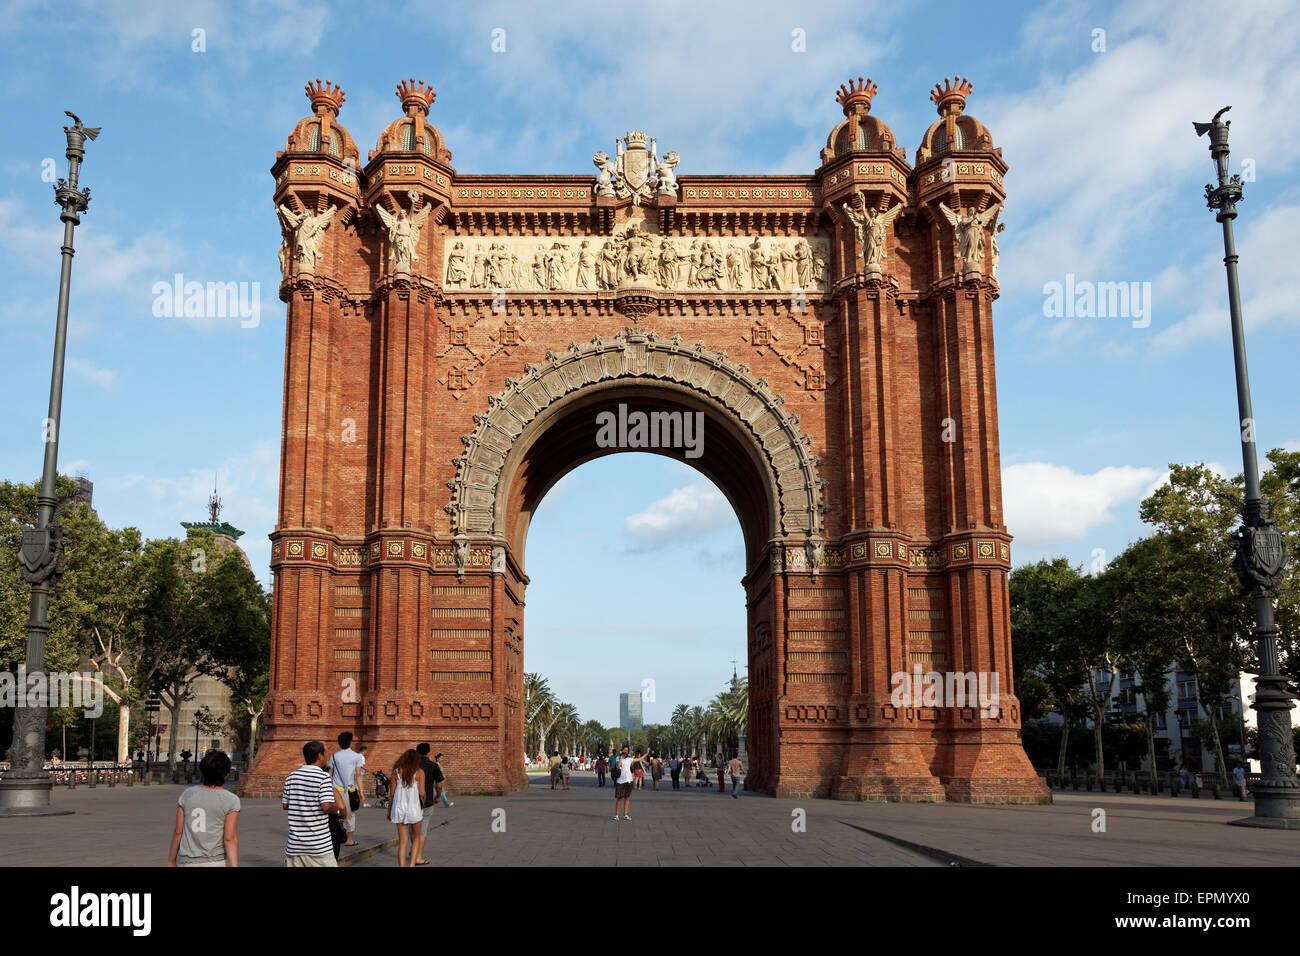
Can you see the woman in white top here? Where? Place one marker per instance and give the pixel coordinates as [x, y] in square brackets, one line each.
[404, 807]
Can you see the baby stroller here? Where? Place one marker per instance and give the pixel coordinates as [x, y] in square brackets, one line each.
[381, 787]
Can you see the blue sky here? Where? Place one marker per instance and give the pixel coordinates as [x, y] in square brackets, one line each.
[1105, 185]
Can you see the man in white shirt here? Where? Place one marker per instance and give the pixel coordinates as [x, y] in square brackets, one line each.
[346, 768]
[623, 779]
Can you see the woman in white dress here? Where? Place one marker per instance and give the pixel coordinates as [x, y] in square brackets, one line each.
[404, 806]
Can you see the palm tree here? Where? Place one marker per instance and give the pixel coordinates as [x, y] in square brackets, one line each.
[538, 701]
[695, 727]
[679, 720]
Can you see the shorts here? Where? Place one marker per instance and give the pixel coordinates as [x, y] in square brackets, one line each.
[622, 790]
[320, 859]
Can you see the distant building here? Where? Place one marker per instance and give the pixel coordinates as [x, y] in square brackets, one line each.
[1172, 730]
[629, 710]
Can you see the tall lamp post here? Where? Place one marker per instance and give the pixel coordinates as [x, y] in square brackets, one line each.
[25, 788]
[1260, 559]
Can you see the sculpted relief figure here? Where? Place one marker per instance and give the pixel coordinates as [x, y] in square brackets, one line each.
[308, 230]
[457, 274]
[635, 255]
[668, 264]
[711, 270]
[803, 264]
[993, 248]
[403, 235]
[557, 267]
[586, 265]
[608, 264]
[736, 263]
[968, 232]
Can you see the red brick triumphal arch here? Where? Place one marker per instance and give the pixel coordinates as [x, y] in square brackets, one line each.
[451, 339]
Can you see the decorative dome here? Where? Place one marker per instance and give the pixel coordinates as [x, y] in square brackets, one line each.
[860, 130]
[321, 132]
[954, 131]
[411, 133]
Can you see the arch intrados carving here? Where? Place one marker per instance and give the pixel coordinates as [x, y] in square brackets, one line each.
[478, 489]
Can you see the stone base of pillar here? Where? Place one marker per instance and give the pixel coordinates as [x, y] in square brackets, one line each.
[990, 766]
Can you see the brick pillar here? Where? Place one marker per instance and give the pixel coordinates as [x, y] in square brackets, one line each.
[981, 758]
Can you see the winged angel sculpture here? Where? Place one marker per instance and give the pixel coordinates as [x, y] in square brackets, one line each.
[872, 227]
[307, 230]
[969, 231]
[403, 235]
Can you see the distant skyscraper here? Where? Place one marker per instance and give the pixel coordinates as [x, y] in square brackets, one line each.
[629, 710]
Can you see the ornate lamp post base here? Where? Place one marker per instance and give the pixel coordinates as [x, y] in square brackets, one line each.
[22, 795]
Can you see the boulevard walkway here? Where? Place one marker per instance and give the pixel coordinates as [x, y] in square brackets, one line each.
[689, 827]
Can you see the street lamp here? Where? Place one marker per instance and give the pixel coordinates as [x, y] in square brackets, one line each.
[1260, 559]
[198, 716]
[151, 708]
[25, 788]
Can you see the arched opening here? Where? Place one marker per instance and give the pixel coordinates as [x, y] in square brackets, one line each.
[674, 421]
[635, 614]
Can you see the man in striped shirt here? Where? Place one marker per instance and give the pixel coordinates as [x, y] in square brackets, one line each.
[308, 797]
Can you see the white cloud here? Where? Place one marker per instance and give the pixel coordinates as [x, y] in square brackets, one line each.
[1269, 281]
[1047, 504]
[104, 378]
[687, 512]
[1100, 156]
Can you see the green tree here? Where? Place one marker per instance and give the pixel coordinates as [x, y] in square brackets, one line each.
[1196, 511]
[1148, 624]
[1044, 637]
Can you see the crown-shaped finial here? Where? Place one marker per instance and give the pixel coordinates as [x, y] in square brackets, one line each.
[415, 94]
[322, 96]
[636, 139]
[953, 92]
[855, 97]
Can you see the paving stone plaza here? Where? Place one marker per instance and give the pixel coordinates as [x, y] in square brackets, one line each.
[694, 827]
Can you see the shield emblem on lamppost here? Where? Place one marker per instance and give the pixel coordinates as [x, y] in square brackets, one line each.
[1266, 549]
[36, 549]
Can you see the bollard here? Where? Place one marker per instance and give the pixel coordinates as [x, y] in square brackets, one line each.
[72, 781]
[90, 779]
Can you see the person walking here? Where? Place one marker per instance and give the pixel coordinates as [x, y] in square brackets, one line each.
[309, 797]
[404, 807]
[440, 783]
[686, 771]
[565, 769]
[623, 783]
[735, 768]
[675, 771]
[722, 777]
[638, 770]
[601, 765]
[1239, 780]
[656, 770]
[554, 766]
[346, 767]
[207, 818]
[428, 801]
